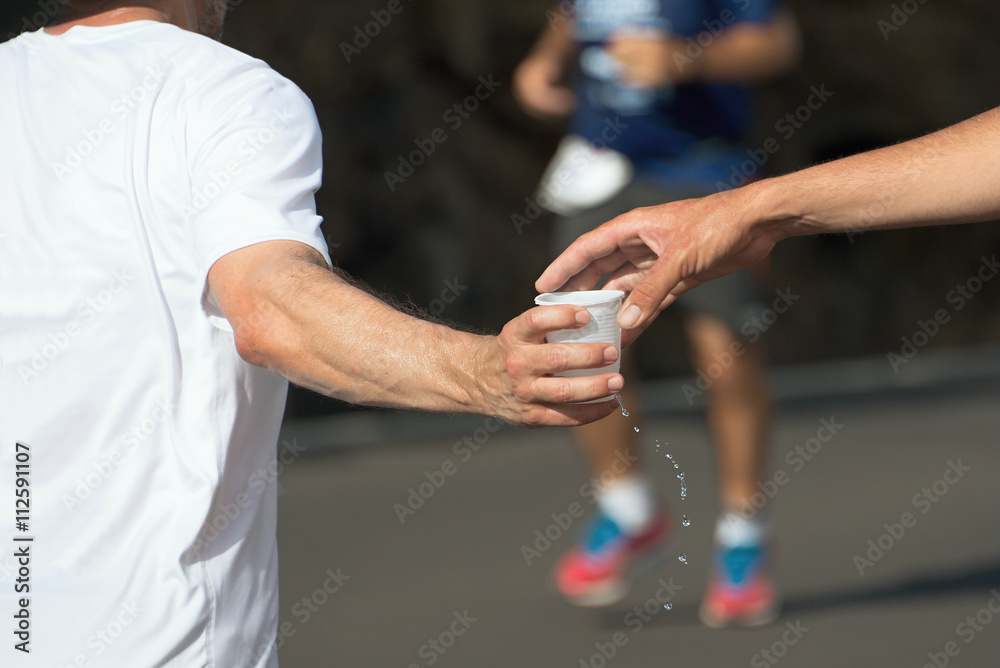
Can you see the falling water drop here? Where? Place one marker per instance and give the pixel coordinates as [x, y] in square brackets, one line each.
[636, 429]
[685, 521]
[680, 476]
[668, 606]
[683, 559]
[618, 397]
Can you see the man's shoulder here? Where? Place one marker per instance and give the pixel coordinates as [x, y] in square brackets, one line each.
[208, 70]
[205, 55]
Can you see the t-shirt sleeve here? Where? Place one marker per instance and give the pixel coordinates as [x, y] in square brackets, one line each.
[255, 163]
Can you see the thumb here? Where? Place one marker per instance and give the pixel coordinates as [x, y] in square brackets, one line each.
[650, 296]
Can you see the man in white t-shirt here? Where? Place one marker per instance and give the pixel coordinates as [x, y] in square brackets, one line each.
[162, 274]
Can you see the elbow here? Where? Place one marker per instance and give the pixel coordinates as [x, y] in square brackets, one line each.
[253, 338]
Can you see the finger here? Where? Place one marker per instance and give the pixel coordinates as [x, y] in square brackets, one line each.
[579, 257]
[532, 325]
[567, 415]
[625, 278]
[558, 357]
[648, 297]
[561, 390]
[612, 264]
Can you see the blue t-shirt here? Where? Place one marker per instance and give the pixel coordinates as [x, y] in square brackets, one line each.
[682, 136]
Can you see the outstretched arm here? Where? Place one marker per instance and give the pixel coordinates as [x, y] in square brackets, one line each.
[294, 316]
[657, 253]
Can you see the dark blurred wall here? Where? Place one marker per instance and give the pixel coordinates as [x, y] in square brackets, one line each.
[443, 238]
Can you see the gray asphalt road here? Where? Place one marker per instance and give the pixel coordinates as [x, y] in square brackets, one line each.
[450, 586]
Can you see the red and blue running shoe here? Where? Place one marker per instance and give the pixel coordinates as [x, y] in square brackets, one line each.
[740, 590]
[599, 570]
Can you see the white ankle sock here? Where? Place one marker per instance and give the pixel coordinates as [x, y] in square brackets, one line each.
[629, 502]
[733, 530]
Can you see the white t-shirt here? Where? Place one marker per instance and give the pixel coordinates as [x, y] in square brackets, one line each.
[133, 157]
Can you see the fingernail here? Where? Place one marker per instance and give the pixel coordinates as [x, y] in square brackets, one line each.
[610, 354]
[616, 383]
[629, 316]
[582, 317]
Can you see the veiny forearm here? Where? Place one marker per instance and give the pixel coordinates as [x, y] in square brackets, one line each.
[320, 332]
[947, 177]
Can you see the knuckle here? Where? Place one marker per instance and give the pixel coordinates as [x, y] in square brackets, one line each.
[563, 392]
[536, 319]
[557, 358]
[517, 366]
[533, 417]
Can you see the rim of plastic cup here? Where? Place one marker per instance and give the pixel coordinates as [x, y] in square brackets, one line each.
[579, 298]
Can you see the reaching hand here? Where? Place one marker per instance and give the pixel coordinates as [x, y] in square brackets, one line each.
[516, 366]
[660, 252]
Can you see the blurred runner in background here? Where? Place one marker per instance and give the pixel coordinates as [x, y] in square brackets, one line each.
[660, 104]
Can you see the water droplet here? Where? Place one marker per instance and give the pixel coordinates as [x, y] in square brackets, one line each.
[669, 456]
[636, 429]
[624, 412]
[668, 606]
[685, 521]
[683, 559]
[680, 476]
[676, 465]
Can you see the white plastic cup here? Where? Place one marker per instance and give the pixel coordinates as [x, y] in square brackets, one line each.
[603, 327]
